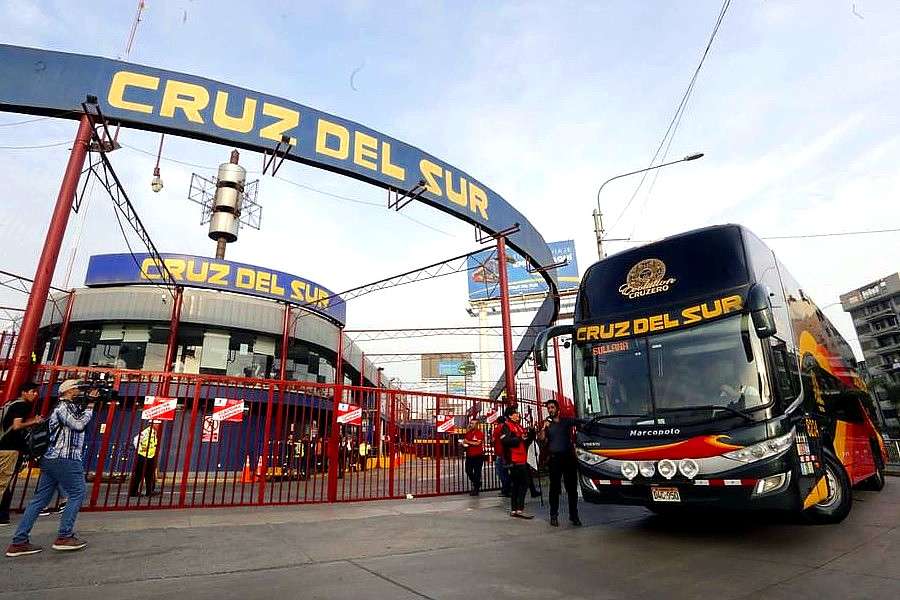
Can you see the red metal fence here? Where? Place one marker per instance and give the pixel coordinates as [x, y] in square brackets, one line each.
[234, 441]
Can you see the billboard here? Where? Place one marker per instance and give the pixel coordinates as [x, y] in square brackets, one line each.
[216, 274]
[484, 275]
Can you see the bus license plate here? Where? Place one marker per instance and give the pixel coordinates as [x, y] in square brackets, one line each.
[665, 494]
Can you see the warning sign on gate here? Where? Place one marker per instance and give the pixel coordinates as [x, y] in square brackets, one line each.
[445, 423]
[228, 410]
[493, 416]
[211, 429]
[162, 409]
[349, 414]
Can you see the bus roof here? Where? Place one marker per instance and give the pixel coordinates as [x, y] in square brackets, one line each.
[676, 269]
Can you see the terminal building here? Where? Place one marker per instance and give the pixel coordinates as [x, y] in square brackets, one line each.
[123, 316]
[875, 309]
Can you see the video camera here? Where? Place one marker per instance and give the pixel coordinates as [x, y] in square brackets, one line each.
[95, 381]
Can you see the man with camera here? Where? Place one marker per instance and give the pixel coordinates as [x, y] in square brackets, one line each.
[61, 466]
[556, 437]
[13, 445]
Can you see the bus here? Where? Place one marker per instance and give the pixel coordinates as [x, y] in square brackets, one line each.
[705, 376]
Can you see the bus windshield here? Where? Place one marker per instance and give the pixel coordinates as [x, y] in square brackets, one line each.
[697, 374]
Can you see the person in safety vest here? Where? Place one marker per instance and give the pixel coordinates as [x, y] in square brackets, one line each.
[515, 439]
[146, 445]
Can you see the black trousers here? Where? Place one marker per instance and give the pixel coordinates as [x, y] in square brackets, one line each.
[474, 465]
[518, 478]
[563, 469]
[8, 492]
[144, 470]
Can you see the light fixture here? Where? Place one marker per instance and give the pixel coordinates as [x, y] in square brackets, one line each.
[688, 467]
[667, 468]
[629, 470]
[156, 184]
[647, 469]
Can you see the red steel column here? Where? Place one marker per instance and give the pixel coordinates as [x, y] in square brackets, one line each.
[559, 380]
[437, 448]
[186, 469]
[265, 449]
[537, 393]
[378, 399]
[392, 434]
[333, 435]
[104, 449]
[507, 329]
[172, 342]
[285, 342]
[20, 365]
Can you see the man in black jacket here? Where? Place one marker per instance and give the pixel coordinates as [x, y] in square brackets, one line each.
[556, 435]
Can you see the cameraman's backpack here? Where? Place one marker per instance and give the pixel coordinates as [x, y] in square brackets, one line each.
[4, 410]
[37, 440]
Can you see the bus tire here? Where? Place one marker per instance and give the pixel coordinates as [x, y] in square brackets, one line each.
[876, 482]
[836, 506]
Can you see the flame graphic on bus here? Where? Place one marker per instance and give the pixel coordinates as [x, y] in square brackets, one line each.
[703, 446]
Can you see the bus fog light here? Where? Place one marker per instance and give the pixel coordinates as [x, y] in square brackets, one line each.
[771, 483]
[629, 470]
[667, 468]
[688, 467]
[587, 481]
[647, 469]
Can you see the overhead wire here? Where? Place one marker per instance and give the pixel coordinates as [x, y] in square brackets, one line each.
[800, 236]
[679, 111]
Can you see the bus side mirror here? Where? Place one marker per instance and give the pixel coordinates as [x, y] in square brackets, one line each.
[761, 314]
[540, 343]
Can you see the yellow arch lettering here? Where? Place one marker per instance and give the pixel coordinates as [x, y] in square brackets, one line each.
[478, 201]
[287, 120]
[243, 123]
[460, 197]
[188, 97]
[148, 264]
[125, 79]
[431, 173]
[389, 168]
[365, 150]
[328, 129]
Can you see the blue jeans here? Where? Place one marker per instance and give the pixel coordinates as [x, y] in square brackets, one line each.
[68, 475]
[502, 474]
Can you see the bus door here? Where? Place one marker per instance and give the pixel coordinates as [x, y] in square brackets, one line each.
[811, 482]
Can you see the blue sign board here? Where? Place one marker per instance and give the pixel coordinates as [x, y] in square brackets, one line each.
[215, 274]
[449, 366]
[484, 275]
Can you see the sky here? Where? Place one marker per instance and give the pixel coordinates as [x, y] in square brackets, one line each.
[795, 108]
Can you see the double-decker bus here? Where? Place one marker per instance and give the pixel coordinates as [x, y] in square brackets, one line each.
[704, 375]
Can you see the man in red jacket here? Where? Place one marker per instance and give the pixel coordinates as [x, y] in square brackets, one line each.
[515, 439]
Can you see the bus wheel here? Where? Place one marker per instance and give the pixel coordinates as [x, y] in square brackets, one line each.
[875, 483]
[836, 506]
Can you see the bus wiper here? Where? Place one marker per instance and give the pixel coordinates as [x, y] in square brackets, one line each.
[597, 418]
[729, 409]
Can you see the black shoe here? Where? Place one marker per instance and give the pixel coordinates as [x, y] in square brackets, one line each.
[576, 522]
[154, 494]
[61, 508]
[554, 521]
[473, 493]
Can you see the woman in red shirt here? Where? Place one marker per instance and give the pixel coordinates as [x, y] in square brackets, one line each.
[474, 445]
[515, 440]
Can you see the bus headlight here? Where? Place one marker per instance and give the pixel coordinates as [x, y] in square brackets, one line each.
[762, 450]
[588, 458]
[772, 483]
[667, 468]
[647, 469]
[688, 467]
[629, 469]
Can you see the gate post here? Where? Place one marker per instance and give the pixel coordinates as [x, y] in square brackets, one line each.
[508, 362]
[265, 449]
[182, 494]
[101, 459]
[437, 447]
[559, 381]
[392, 436]
[333, 463]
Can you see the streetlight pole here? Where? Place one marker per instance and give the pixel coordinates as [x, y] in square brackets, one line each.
[598, 216]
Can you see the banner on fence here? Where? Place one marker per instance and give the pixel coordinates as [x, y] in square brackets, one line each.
[349, 414]
[211, 429]
[445, 423]
[228, 410]
[161, 409]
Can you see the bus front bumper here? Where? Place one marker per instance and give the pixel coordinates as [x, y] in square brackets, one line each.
[769, 486]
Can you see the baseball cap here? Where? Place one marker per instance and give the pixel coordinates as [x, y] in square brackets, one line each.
[69, 384]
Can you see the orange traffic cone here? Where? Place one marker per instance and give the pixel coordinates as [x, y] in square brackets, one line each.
[260, 475]
[247, 474]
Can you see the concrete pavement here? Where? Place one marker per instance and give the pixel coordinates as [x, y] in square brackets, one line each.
[460, 547]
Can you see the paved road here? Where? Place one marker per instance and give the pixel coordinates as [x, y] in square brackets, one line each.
[461, 548]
